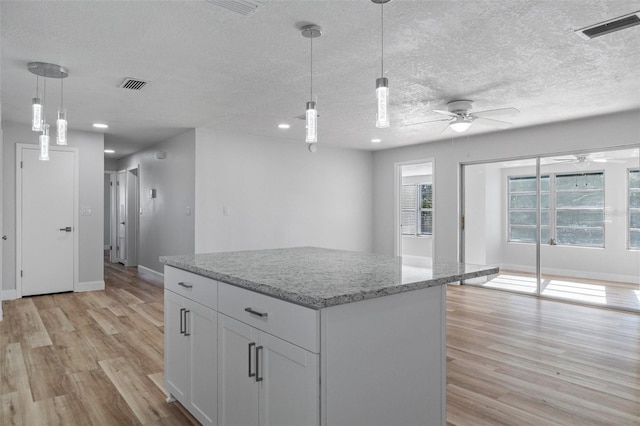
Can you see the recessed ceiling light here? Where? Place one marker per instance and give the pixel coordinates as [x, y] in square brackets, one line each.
[109, 151]
[376, 140]
[100, 125]
[283, 126]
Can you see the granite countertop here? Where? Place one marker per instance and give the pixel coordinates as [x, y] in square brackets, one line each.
[320, 278]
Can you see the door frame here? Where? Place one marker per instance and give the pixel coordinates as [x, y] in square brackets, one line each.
[112, 214]
[397, 207]
[20, 147]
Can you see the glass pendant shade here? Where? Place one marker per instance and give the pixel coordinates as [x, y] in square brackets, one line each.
[61, 127]
[44, 144]
[312, 122]
[382, 93]
[36, 115]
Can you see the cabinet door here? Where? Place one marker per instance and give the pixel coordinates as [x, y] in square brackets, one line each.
[176, 347]
[289, 391]
[238, 390]
[202, 331]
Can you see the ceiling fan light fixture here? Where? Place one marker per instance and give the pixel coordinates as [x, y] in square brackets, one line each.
[460, 124]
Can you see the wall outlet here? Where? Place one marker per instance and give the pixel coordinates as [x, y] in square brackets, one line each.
[86, 211]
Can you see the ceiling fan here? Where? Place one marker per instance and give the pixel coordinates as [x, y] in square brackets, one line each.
[460, 117]
[587, 158]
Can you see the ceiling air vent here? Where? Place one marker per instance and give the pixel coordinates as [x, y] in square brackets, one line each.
[243, 7]
[610, 26]
[133, 84]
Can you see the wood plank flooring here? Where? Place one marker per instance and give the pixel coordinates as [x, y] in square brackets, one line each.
[518, 360]
[92, 358]
[96, 359]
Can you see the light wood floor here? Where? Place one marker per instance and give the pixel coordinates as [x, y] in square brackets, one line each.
[96, 358]
[520, 360]
[579, 290]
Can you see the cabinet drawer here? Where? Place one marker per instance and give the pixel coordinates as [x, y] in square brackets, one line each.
[195, 287]
[288, 321]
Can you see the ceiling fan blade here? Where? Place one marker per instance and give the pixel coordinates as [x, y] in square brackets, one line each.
[425, 122]
[449, 113]
[493, 123]
[496, 112]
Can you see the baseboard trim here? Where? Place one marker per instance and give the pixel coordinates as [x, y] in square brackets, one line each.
[154, 275]
[89, 286]
[9, 294]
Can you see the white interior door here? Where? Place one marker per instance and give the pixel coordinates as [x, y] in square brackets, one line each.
[47, 224]
[121, 249]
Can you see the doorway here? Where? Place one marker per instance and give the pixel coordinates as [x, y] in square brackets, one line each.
[414, 209]
[47, 223]
[126, 213]
[563, 226]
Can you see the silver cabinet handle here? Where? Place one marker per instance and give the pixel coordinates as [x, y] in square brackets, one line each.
[182, 330]
[260, 314]
[251, 346]
[259, 378]
[185, 285]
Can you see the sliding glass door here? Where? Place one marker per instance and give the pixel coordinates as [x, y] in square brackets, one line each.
[564, 226]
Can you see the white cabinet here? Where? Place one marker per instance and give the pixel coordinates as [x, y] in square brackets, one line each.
[264, 380]
[191, 351]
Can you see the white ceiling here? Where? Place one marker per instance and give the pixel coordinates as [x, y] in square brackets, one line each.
[210, 67]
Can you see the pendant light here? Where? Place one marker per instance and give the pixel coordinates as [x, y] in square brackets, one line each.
[311, 115]
[39, 120]
[382, 84]
[61, 122]
[36, 109]
[44, 143]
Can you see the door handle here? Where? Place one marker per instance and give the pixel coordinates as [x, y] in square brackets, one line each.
[67, 229]
[121, 223]
[4, 238]
[182, 315]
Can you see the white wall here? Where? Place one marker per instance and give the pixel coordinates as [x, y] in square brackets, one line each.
[593, 133]
[90, 145]
[166, 225]
[253, 193]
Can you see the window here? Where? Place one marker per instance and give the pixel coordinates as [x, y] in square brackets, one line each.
[417, 209]
[571, 210]
[634, 209]
[522, 209]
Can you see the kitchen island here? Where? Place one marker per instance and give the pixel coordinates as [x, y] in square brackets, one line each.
[308, 336]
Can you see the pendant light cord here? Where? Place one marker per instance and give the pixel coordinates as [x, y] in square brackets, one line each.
[61, 93]
[382, 39]
[311, 88]
[44, 102]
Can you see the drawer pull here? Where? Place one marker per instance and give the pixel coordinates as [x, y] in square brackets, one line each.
[185, 285]
[260, 314]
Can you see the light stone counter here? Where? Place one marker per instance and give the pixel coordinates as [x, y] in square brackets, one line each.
[320, 278]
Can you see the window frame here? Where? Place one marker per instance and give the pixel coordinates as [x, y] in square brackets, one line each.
[631, 209]
[418, 210]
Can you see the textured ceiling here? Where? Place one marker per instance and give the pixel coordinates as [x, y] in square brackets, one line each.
[210, 67]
